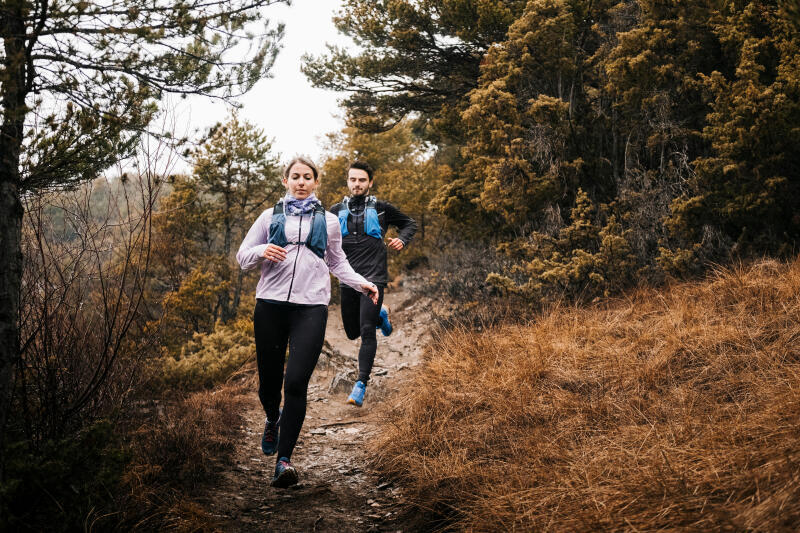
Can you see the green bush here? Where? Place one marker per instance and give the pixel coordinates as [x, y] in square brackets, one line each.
[210, 358]
[585, 259]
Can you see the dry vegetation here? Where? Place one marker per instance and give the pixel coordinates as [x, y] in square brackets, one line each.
[676, 409]
[180, 447]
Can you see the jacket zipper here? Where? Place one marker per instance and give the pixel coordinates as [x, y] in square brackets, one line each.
[294, 268]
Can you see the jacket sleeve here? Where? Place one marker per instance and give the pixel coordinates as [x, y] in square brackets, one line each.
[337, 260]
[251, 251]
[406, 226]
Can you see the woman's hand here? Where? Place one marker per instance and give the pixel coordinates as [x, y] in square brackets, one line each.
[395, 244]
[274, 253]
[373, 292]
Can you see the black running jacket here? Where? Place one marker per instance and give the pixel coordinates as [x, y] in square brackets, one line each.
[367, 255]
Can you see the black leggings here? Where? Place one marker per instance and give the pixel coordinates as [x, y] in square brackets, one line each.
[360, 318]
[302, 327]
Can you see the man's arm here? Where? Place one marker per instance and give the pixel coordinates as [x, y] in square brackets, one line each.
[406, 226]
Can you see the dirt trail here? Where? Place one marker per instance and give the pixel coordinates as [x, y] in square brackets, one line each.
[335, 491]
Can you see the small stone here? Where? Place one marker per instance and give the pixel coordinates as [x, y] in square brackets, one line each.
[342, 382]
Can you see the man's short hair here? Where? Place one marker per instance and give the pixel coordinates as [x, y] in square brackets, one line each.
[362, 165]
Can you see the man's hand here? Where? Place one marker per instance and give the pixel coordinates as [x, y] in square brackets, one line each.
[274, 253]
[395, 244]
[373, 292]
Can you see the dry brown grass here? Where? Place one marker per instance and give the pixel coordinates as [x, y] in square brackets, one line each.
[674, 409]
[177, 452]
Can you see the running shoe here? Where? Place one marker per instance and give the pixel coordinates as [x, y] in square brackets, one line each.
[285, 474]
[357, 396]
[269, 440]
[384, 325]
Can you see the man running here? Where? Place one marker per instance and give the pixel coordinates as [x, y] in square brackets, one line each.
[363, 221]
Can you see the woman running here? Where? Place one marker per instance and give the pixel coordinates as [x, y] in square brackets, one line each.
[296, 244]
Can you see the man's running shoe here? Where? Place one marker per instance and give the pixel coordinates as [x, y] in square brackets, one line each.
[357, 396]
[269, 440]
[285, 474]
[384, 325]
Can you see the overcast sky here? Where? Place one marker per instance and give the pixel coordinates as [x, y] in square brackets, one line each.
[285, 106]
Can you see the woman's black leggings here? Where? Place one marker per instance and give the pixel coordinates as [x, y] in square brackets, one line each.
[302, 327]
[360, 317]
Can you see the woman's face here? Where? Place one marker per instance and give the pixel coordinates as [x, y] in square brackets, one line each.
[301, 182]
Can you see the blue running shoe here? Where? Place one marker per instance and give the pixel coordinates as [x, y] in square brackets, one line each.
[269, 440]
[357, 396]
[285, 474]
[384, 325]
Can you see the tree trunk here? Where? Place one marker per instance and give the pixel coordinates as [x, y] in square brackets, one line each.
[14, 88]
[237, 291]
[10, 282]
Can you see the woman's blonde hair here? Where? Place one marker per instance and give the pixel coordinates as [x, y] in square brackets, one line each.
[305, 161]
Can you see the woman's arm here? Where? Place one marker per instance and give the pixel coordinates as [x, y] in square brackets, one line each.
[251, 251]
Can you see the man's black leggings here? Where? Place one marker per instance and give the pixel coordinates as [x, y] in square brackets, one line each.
[302, 327]
[360, 318]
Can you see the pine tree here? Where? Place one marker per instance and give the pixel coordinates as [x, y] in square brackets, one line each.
[200, 223]
[414, 57]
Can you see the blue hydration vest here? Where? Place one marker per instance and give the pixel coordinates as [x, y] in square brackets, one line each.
[372, 225]
[317, 239]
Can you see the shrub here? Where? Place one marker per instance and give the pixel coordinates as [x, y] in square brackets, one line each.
[176, 452]
[585, 260]
[459, 270]
[210, 358]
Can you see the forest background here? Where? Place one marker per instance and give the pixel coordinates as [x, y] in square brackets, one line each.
[550, 150]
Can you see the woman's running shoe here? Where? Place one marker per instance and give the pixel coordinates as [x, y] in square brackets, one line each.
[384, 325]
[357, 396]
[285, 474]
[269, 439]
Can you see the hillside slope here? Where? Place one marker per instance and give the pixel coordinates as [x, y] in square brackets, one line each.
[671, 409]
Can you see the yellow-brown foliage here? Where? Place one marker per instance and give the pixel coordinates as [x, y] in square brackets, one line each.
[210, 358]
[676, 409]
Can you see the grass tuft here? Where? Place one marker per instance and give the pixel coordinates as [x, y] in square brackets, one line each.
[670, 409]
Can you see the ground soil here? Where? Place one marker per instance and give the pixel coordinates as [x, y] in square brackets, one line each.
[337, 492]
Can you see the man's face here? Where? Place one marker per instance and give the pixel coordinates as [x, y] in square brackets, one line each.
[358, 182]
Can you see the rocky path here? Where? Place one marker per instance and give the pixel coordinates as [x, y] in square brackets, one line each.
[335, 493]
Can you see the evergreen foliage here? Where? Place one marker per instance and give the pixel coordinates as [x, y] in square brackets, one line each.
[415, 56]
[676, 122]
[210, 358]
